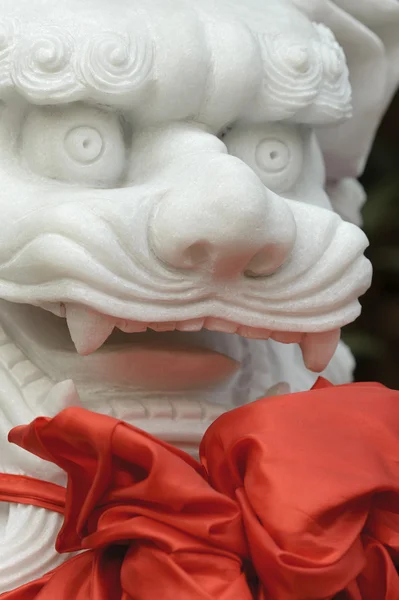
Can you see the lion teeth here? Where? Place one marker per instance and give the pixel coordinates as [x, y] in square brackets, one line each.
[319, 348]
[166, 326]
[89, 330]
[132, 326]
[254, 333]
[279, 389]
[286, 337]
[190, 325]
[220, 325]
[61, 396]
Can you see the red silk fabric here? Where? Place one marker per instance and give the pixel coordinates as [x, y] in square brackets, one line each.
[297, 498]
[27, 490]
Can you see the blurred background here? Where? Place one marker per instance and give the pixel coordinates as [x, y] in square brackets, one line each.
[374, 337]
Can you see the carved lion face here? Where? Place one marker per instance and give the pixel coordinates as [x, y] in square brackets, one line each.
[160, 172]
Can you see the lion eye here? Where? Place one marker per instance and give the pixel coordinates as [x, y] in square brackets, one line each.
[273, 155]
[274, 151]
[84, 145]
[77, 144]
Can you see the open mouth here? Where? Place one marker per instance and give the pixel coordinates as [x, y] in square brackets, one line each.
[172, 379]
[91, 331]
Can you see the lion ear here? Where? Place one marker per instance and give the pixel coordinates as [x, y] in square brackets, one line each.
[368, 31]
[382, 18]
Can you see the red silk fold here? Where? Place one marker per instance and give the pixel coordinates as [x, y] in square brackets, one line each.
[35, 492]
[296, 498]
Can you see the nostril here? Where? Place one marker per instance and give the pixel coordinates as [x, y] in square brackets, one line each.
[269, 259]
[197, 254]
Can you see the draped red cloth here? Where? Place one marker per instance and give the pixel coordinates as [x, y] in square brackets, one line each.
[296, 498]
[28, 490]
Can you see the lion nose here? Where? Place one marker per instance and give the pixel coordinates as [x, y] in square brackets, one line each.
[222, 220]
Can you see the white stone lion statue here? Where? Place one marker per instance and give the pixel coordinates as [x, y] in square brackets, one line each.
[180, 212]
